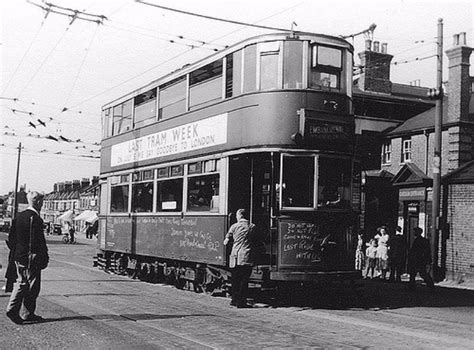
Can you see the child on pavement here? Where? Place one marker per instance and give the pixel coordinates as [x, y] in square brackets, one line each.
[371, 254]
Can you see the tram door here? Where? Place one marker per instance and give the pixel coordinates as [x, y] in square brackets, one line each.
[249, 187]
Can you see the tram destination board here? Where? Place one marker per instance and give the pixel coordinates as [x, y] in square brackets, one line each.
[299, 244]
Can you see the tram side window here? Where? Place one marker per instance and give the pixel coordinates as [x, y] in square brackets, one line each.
[292, 65]
[205, 85]
[250, 68]
[170, 195]
[145, 108]
[203, 193]
[326, 67]
[334, 182]
[122, 117]
[142, 192]
[269, 65]
[119, 194]
[172, 97]
[298, 182]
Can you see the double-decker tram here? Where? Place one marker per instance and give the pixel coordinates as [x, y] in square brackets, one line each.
[265, 125]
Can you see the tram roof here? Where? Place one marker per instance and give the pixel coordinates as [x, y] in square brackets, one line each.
[187, 68]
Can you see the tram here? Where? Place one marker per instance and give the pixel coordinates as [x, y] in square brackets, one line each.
[266, 125]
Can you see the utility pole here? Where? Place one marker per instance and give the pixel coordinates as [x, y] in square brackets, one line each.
[15, 205]
[435, 219]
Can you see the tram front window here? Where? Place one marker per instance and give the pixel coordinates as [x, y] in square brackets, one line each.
[298, 182]
[203, 193]
[334, 183]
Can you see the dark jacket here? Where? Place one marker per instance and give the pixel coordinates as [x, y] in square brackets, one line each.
[420, 253]
[19, 237]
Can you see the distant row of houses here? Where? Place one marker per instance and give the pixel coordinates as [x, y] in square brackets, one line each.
[70, 199]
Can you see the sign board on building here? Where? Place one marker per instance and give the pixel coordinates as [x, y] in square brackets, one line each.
[406, 194]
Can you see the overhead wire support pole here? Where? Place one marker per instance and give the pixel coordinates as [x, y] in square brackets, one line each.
[435, 218]
[15, 205]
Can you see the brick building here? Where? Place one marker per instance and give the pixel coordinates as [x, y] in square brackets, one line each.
[395, 141]
[407, 150]
[457, 245]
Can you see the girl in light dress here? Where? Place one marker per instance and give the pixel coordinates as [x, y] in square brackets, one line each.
[382, 238]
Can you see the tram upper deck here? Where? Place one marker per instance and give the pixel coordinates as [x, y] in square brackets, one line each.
[268, 91]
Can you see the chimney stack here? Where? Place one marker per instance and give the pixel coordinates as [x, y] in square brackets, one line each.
[85, 182]
[459, 81]
[375, 74]
[460, 148]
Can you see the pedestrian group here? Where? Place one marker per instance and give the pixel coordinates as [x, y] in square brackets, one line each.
[384, 256]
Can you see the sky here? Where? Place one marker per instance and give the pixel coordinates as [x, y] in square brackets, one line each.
[56, 75]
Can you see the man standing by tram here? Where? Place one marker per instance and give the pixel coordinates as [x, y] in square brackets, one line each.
[241, 257]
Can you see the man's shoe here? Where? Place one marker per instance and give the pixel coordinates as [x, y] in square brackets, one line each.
[34, 318]
[14, 317]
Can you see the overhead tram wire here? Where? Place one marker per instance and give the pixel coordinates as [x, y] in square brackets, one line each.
[44, 61]
[23, 57]
[183, 53]
[220, 19]
[175, 39]
[76, 78]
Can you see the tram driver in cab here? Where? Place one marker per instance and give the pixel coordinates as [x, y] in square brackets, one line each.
[330, 196]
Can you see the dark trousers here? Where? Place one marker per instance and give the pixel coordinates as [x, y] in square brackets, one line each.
[240, 284]
[25, 291]
[423, 273]
[396, 270]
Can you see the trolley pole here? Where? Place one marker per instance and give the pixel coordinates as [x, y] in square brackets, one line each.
[15, 204]
[435, 224]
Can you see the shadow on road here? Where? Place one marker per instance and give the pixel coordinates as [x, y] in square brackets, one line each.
[374, 295]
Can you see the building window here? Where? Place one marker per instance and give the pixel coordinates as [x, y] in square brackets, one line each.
[406, 150]
[387, 152]
[326, 67]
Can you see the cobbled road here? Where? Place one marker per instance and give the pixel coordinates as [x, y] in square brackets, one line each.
[86, 308]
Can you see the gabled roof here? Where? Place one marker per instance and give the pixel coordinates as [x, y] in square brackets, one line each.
[411, 176]
[463, 174]
[422, 121]
[379, 174]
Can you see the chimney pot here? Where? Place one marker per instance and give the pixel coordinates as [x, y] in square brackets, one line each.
[376, 46]
[384, 48]
[368, 45]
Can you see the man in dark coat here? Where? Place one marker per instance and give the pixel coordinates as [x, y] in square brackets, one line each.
[241, 257]
[397, 255]
[419, 257]
[30, 256]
